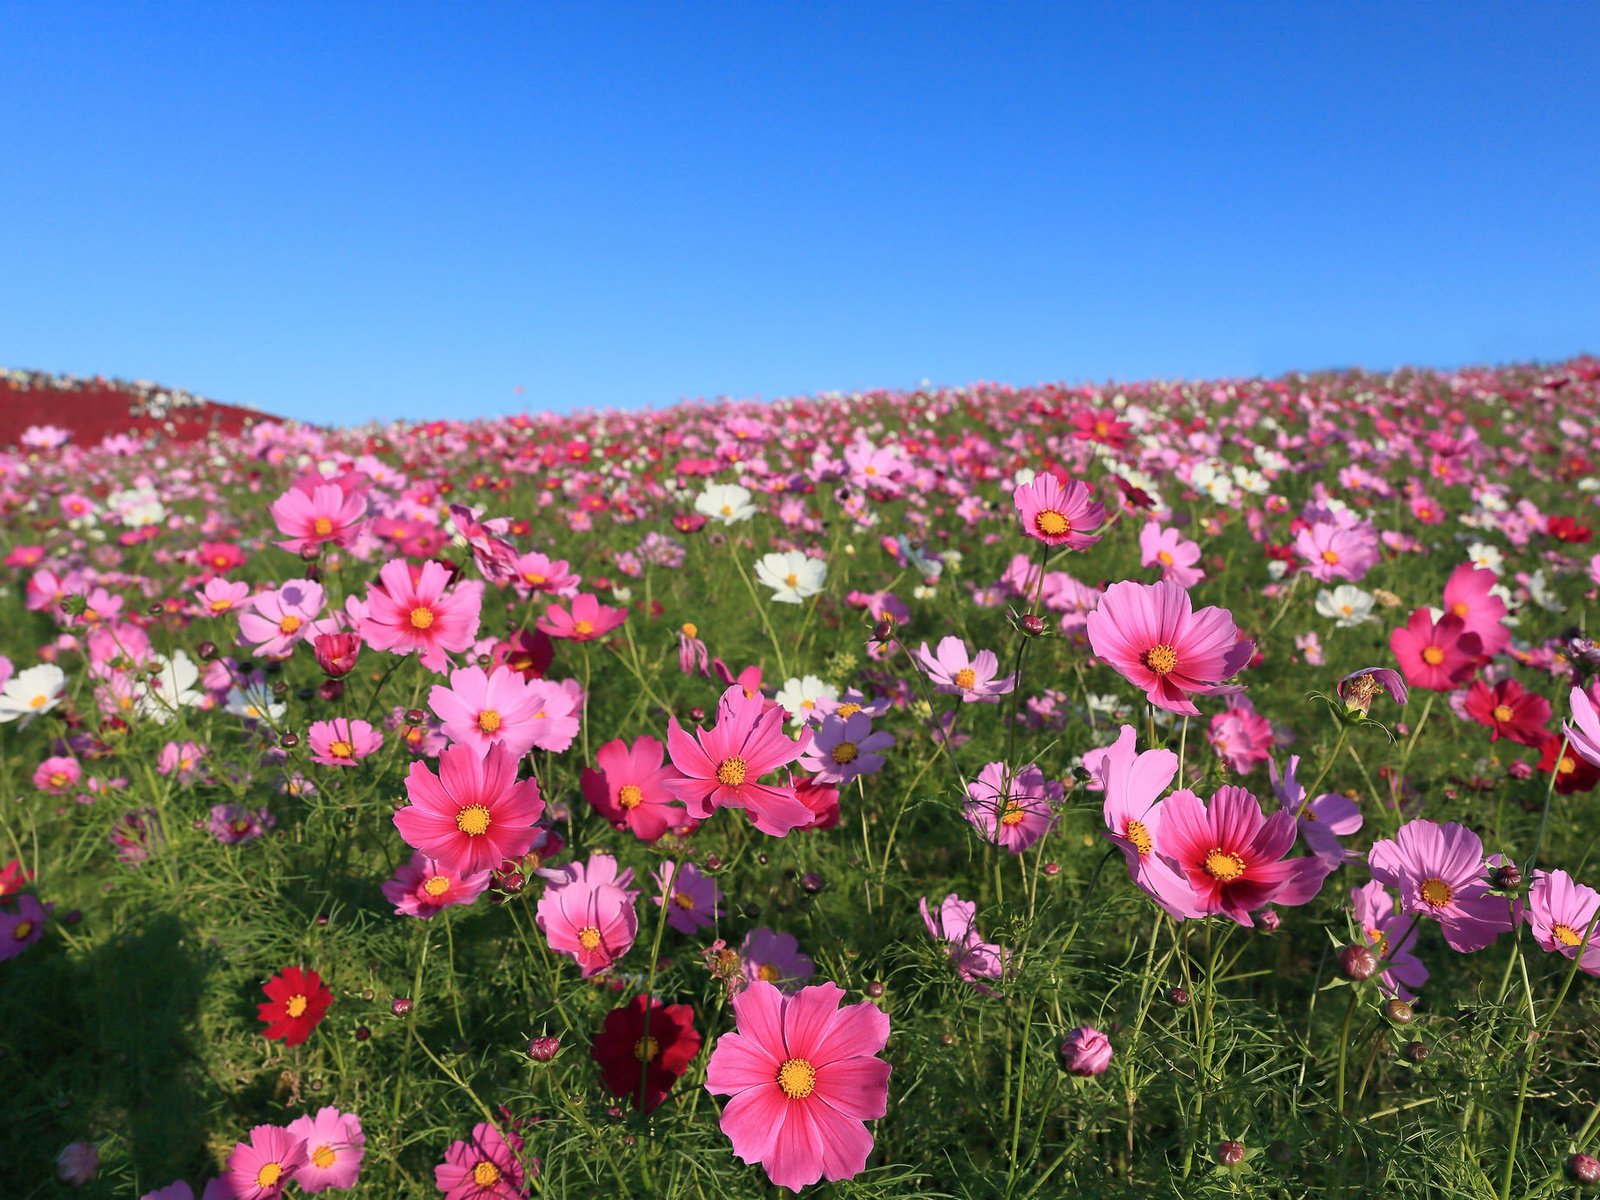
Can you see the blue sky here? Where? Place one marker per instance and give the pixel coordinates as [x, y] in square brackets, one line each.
[346, 211]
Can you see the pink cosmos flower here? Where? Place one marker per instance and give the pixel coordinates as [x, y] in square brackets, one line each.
[1012, 809]
[1058, 514]
[955, 925]
[1323, 821]
[1152, 636]
[486, 1166]
[1561, 913]
[1172, 552]
[221, 596]
[342, 742]
[692, 897]
[1467, 595]
[628, 787]
[1585, 738]
[259, 1169]
[589, 914]
[22, 926]
[276, 621]
[472, 815]
[723, 765]
[334, 1146]
[231, 824]
[325, 513]
[182, 759]
[57, 775]
[336, 653]
[775, 958]
[1439, 871]
[1436, 657]
[587, 620]
[1233, 857]
[422, 887]
[845, 748]
[803, 1077]
[1332, 551]
[479, 709]
[555, 721]
[536, 572]
[422, 615]
[954, 671]
[1087, 1051]
[1133, 784]
[1393, 937]
[1241, 736]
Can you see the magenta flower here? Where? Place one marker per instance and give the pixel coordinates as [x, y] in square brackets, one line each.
[231, 824]
[421, 615]
[1233, 857]
[845, 748]
[277, 621]
[259, 1169]
[774, 958]
[587, 620]
[588, 914]
[1169, 550]
[1435, 656]
[1012, 809]
[1393, 937]
[628, 787]
[536, 572]
[691, 896]
[1585, 738]
[22, 926]
[1241, 736]
[472, 815]
[1331, 551]
[1133, 784]
[1439, 871]
[324, 513]
[220, 596]
[486, 1166]
[1467, 595]
[723, 765]
[342, 742]
[1323, 821]
[422, 887]
[1152, 636]
[1086, 1051]
[955, 925]
[1058, 514]
[956, 672]
[1561, 913]
[478, 709]
[334, 1146]
[802, 1077]
[57, 775]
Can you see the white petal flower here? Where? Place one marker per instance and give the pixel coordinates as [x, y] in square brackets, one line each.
[32, 693]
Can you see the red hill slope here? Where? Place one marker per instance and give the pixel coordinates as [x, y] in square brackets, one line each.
[93, 408]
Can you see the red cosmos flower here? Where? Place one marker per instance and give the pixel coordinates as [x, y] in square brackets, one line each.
[1565, 529]
[1574, 773]
[634, 1063]
[1105, 426]
[297, 1000]
[1509, 711]
[1435, 657]
[336, 653]
[13, 878]
[529, 656]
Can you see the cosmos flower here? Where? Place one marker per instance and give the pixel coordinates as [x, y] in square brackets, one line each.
[323, 514]
[1057, 513]
[486, 1166]
[474, 814]
[296, 1001]
[1175, 555]
[628, 787]
[1013, 809]
[1347, 606]
[587, 619]
[775, 958]
[954, 671]
[334, 1146]
[32, 693]
[1439, 872]
[845, 748]
[725, 502]
[722, 767]
[1153, 637]
[1435, 656]
[342, 742]
[640, 1063]
[692, 897]
[478, 709]
[589, 915]
[1393, 937]
[423, 615]
[954, 925]
[1133, 783]
[260, 1168]
[421, 887]
[793, 576]
[1561, 914]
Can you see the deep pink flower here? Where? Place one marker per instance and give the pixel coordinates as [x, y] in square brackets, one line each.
[587, 913]
[259, 1169]
[472, 815]
[587, 620]
[334, 1146]
[326, 513]
[422, 615]
[1435, 657]
[802, 1077]
[723, 765]
[342, 742]
[1440, 872]
[57, 775]
[1013, 809]
[1561, 913]
[1583, 735]
[336, 653]
[1152, 636]
[421, 887]
[1058, 514]
[628, 787]
[486, 1166]
[1133, 784]
[1467, 595]
[1233, 857]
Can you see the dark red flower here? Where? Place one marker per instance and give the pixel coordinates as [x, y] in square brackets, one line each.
[13, 878]
[336, 653]
[529, 656]
[1573, 772]
[1509, 711]
[297, 1000]
[634, 1064]
[1565, 529]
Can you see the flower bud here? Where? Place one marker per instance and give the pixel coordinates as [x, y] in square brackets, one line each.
[1034, 626]
[1582, 1169]
[400, 1006]
[1086, 1051]
[1179, 997]
[1506, 877]
[1230, 1153]
[543, 1049]
[1399, 1012]
[1415, 1051]
[1358, 963]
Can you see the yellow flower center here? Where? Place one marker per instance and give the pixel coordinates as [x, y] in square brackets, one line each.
[683, 900]
[1566, 934]
[966, 677]
[630, 796]
[488, 720]
[437, 885]
[589, 938]
[341, 749]
[485, 1174]
[731, 772]
[322, 1157]
[768, 973]
[583, 628]
[1163, 659]
[646, 1048]
[1139, 836]
[1012, 815]
[269, 1174]
[39, 701]
[1460, 608]
[797, 1077]
[1436, 892]
[22, 930]
[296, 1006]
[221, 606]
[690, 629]
[421, 617]
[1051, 523]
[848, 709]
[1567, 765]
[1164, 557]
[58, 780]
[322, 526]
[1502, 713]
[845, 752]
[791, 579]
[1432, 655]
[1223, 866]
[1331, 557]
[473, 820]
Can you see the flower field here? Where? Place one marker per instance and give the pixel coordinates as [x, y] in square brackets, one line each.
[1146, 790]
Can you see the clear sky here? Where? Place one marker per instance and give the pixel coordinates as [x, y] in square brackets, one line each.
[338, 211]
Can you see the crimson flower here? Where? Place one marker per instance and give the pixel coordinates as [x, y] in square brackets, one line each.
[634, 1062]
[297, 1000]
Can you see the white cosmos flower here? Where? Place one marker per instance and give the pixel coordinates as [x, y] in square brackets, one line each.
[254, 703]
[172, 688]
[1482, 554]
[1346, 605]
[792, 576]
[799, 697]
[31, 693]
[1539, 592]
[725, 502]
